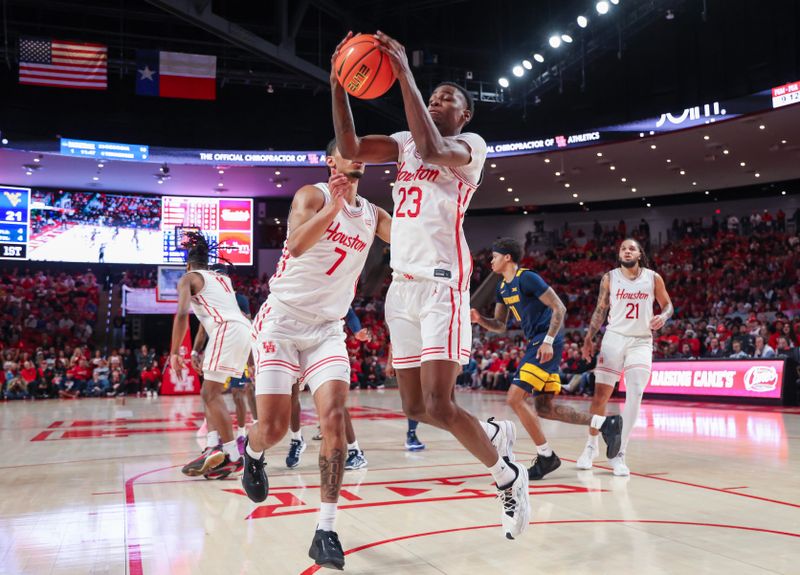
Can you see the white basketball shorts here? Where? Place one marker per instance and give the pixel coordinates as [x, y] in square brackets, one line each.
[287, 349]
[620, 353]
[427, 321]
[227, 351]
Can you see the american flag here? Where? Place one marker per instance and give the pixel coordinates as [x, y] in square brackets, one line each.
[62, 64]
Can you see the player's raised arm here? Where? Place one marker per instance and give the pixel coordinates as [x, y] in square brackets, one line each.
[431, 145]
[598, 317]
[664, 301]
[310, 216]
[497, 324]
[368, 149]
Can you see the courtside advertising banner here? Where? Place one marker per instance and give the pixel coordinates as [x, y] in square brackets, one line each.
[733, 378]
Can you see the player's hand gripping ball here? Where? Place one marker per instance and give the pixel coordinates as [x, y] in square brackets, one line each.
[362, 69]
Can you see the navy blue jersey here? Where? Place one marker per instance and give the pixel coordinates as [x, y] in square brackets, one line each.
[521, 297]
[243, 303]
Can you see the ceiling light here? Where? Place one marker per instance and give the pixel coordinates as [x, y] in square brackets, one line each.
[694, 183]
[491, 166]
[518, 71]
[706, 137]
[648, 204]
[599, 154]
[220, 172]
[582, 21]
[516, 199]
[783, 193]
[566, 184]
[669, 161]
[580, 203]
[566, 38]
[623, 179]
[652, 146]
[525, 212]
[539, 58]
[510, 189]
[391, 184]
[277, 172]
[783, 141]
[726, 152]
[612, 167]
[503, 82]
[5, 141]
[633, 190]
[707, 192]
[555, 41]
[641, 134]
[219, 184]
[527, 65]
[558, 173]
[547, 160]
[28, 173]
[683, 172]
[762, 127]
[742, 164]
[278, 185]
[574, 195]
[502, 178]
[757, 175]
[602, 7]
[160, 180]
[37, 159]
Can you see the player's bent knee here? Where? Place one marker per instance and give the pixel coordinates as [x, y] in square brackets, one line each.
[441, 409]
[210, 390]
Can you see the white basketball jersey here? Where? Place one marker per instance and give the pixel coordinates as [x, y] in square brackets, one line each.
[320, 284]
[631, 303]
[429, 206]
[216, 302]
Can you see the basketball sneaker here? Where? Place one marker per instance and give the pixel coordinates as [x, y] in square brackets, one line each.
[543, 465]
[516, 502]
[413, 443]
[618, 466]
[209, 459]
[611, 431]
[318, 436]
[254, 477]
[586, 458]
[240, 444]
[505, 434]
[296, 449]
[226, 468]
[355, 459]
[326, 550]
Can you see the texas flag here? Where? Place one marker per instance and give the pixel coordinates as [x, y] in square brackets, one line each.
[176, 75]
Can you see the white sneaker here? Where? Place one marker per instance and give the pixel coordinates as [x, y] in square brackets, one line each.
[516, 503]
[505, 434]
[586, 458]
[619, 467]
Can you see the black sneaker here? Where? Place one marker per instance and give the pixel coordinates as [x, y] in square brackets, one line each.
[543, 465]
[254, 477]
[326, 550]
[612, 435]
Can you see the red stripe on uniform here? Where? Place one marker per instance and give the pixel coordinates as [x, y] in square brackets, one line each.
[222, 339]
[460, 303]
[325, 363]
[450, 327]
[279, 362]
[406, 357]
[435, 347]
[317, 364]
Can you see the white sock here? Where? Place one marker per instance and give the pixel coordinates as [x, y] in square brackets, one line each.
[354, 445]
[544, 449]
[252, 453]
[212, 439]
[327, 516]
[597, 421]
[594, 441]
[503, 473]
[298, 435]
[242, 432]
[231, 450]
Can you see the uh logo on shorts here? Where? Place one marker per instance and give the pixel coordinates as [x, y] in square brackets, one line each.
[268, 347]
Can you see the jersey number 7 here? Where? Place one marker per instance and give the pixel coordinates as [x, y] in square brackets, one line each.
[337, 263]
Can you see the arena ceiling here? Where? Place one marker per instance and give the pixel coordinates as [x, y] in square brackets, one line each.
[639, 60]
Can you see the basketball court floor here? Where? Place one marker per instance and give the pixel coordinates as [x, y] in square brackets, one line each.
[94, 487]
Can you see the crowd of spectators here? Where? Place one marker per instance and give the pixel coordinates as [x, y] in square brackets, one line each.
[733, 282]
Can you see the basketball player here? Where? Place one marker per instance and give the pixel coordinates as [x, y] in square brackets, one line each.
[627, 295]
[297, 445]
[427, 306]
[300, 333]
[211, 297]
[541, 313]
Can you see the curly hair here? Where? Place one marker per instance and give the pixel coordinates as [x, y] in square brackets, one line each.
[198, 248]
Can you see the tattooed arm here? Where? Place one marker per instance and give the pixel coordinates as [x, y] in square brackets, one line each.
[551, 300]
[497, 324]
[598, 317]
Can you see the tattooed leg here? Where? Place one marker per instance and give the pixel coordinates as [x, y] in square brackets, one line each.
[330, 401]
[548, 409]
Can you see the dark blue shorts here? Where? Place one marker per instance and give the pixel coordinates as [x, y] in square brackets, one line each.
[537, 378]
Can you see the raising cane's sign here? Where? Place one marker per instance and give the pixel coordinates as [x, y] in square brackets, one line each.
[731, 378]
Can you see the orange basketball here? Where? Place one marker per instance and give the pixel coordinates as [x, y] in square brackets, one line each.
[362, 69]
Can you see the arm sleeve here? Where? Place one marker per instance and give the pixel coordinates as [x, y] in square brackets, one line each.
[352, 321]
[532, 284]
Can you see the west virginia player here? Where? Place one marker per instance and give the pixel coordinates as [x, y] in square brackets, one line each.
[540, 311]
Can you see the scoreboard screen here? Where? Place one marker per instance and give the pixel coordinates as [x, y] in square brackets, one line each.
[14, 222]
[97, 227]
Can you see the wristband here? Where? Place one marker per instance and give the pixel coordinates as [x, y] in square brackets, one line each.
[548, 339]
[195, 353]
